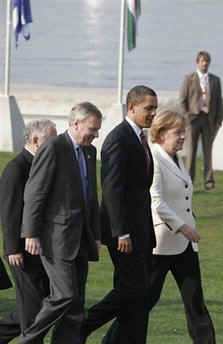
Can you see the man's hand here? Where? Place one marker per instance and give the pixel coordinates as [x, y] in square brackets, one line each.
[16, 259]
[125, 245]
[32, 246]
[189, 233]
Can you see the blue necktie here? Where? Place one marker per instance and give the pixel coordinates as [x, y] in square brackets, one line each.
[83, 171]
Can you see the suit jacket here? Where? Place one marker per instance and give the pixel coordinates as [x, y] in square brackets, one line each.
[191, 93]
[171, 194]
[12, 186]
[54, 209]
[126, 203]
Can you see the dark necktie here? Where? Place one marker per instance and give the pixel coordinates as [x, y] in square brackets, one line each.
[176, 160]
[146, 149]
[83, 171]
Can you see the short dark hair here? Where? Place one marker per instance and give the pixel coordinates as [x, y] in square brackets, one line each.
[203, 54]
[137, 94]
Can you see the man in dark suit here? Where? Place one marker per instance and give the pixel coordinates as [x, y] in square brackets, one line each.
[30, 279]
[201, 102]
[61, 216]
[5, 282]
[127, 226]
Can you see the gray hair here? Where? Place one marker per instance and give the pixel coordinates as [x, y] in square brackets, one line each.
[82, 111]
[38, 128]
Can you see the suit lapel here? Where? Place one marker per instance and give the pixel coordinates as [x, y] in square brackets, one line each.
[138, 148]
[90, 167]
[133, 142]
[197, 84]
[70, 150]
[27, 156]
[180, 171]
[211, 84]
[185, 173]
[75, 170]
[131, 134]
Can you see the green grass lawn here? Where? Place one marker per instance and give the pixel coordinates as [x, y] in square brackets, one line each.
[167, 320]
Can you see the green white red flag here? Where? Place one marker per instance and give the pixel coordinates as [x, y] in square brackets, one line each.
[133, 12]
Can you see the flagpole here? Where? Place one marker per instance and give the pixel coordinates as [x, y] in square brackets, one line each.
[8, 49]
[121, 51]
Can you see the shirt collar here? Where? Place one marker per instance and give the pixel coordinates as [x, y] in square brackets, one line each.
[75, 144]
[28, 150]
[135, 127]
[201, 75]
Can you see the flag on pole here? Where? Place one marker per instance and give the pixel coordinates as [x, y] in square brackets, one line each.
[133, 12]
[21, 18]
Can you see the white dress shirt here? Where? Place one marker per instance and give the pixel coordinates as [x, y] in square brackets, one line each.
[135, 127]
[204, 84]
[28, 150]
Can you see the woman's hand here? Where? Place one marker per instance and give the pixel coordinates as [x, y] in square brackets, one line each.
[189, 233]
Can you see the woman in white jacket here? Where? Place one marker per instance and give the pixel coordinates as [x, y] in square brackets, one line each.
[175, 227]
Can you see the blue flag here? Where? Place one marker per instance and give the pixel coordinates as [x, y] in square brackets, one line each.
[22, 17]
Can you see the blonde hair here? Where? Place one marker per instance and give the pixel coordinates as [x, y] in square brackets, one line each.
[166, 120]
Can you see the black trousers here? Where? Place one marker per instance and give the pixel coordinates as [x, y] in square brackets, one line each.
[186, 271]
[5, 282]
[200, 127]
[64, 307]
[32, 285]
[9, 327]
[128, 300]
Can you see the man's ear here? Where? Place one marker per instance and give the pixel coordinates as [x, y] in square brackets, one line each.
[35, 139]
[131, 106]
[35, 143]
[74, 123]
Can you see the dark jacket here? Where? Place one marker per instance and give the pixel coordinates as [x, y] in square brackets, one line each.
[12, 184]
[126, 201]
[54, 208]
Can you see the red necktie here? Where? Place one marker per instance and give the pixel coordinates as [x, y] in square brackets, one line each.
[146, 149]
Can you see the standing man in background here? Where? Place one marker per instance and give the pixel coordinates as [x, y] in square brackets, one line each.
[201, 102]
[126, 221]
[61, 216]
[31, 281]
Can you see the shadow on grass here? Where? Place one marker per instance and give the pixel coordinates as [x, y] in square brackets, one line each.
[165, 302]
[199, 192]
[216, 217]
[6, 306]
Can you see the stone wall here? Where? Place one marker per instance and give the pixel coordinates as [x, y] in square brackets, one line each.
[37, 102]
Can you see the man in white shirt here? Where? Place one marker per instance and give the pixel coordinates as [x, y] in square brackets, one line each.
[201, 102]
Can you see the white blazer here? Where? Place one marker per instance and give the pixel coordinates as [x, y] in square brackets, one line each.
[171, 194]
